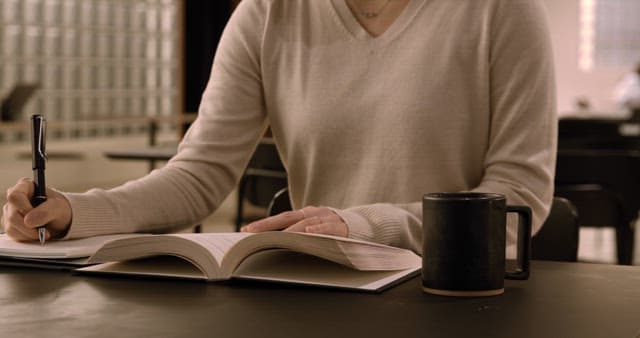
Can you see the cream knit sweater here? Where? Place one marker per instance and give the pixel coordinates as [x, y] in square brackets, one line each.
[455, 95]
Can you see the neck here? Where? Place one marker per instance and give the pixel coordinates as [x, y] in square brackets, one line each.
[385, 13]
[369, 9]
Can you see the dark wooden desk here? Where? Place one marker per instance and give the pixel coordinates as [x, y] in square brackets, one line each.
[560, 300]
[151, 154]
[598, 133]
[154, 153]
[143, 154]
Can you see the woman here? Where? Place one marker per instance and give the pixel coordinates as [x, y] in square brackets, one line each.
[371, 103]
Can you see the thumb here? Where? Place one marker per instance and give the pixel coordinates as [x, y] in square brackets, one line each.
[55, 213]
[41, 215]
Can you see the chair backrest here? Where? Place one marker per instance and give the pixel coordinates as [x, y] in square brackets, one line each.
[14, 103]
[597, 205]
[558, 238]
[264, 176]
[279, 203]
[616, 171]
[261, 179]
[602, 206]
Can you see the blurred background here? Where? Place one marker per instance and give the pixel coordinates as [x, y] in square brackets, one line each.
[107, 74]
[120, 74]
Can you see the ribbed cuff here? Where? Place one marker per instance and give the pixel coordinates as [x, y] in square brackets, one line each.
[91, 216]
[374, 223]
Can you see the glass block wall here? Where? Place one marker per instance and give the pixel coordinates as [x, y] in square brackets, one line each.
[101, 66]
[617, 37]
[609, 34]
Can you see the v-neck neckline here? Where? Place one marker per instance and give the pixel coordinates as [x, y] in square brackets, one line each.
[355, 28]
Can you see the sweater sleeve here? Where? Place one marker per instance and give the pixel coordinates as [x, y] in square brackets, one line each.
[211, 157]
[520, 161]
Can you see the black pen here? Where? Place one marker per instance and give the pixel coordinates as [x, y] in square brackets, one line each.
[39, 160]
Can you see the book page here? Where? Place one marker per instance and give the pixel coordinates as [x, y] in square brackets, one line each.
[204, 250]
[274, 256]
[55, 249]
[374, 258]
[158, 266]
[360, 255]
[216, 243]
[280, 265]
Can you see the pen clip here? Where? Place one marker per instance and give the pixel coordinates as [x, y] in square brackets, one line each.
[38, 141]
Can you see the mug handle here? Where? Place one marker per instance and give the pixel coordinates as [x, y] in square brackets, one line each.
[524, 242]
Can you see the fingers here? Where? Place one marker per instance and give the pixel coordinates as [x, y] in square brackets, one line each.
[44, 214]
[55, 213]
[12, 221]
[335, 228]
[278, 222]
[19, 196]
[20, 220]
[309, 219]
[18, 204]
[331, 224]
[286, 219]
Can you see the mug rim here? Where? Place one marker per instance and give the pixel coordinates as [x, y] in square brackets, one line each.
[463, 196]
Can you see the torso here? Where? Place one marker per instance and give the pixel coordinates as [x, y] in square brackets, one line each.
[391, 106]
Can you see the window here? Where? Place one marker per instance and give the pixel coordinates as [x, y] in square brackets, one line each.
[101, 66]
[609, 33]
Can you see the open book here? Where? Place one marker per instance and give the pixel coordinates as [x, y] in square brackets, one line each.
[271, 256]
[54, 254]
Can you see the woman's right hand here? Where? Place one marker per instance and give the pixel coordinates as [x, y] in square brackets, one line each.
[21, 220]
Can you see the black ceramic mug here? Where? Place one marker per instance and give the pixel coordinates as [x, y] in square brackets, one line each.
[464, 239]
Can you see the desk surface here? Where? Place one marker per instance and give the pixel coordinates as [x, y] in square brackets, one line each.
[158, 153]
[164, 153]
[560, 300]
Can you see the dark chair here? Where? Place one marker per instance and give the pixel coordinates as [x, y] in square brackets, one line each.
[604, 186]
[599, 206]
[280, 202]
[635, 116]
[13, 104]
[264, 177]
[558, 238]
[598, 170]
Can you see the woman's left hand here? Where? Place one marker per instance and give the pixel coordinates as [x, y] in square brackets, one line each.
[317, 220]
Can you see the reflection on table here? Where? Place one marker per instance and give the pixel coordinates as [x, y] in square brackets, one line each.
[560, 300]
